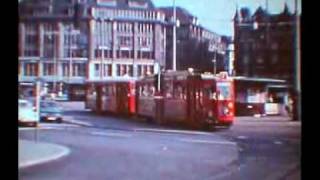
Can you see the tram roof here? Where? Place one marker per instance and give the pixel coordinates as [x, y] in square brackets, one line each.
[122, 79]
[243, 78]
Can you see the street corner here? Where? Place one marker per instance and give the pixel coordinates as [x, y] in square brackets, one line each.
[72, 120]
[33, 153]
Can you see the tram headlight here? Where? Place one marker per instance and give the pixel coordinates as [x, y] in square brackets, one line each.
[230, 105]
[225, 111]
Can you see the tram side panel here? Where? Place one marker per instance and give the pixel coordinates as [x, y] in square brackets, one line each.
[145, 106]
[91, 97]
[175, 103]
[110, 100]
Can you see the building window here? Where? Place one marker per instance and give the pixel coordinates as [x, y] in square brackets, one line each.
[139, 70]
[49, 40]
[80, 70]
[48, 69]
[31, 40]
[145, 54]
[65, 69]
[145, 70]
[130, 70]
[96, 70]
[98, 53]
[125, 41]
[118, 70]
[30, 69]
[125, 54]
[151, 69]
[107, 70]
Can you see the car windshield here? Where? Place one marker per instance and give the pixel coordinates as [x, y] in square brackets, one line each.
[24, 104]
[49, 104]
[224, 89]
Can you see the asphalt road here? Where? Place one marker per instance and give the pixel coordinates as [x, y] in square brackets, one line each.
[113, 154]
[268, 149]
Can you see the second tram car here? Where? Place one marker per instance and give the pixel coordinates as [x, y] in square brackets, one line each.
[117, 96]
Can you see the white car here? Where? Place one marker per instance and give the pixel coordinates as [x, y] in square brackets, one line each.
[27, 114]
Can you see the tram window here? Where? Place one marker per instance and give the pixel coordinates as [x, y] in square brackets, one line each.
[145, 91]
[184, 93]
[178, 92]
[151, 90]
[168, 90]
[103, 90]
[223, 90]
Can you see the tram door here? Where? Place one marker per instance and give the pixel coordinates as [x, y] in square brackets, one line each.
[122, 98]
[194, 96]
[99, 98]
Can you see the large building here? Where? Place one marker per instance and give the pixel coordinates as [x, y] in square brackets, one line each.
[192, 42]
[264, 49]
[264, 44]
[68, 42]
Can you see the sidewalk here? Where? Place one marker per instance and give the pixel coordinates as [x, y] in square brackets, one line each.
[272, 120]
[33, 153]
[263, 118]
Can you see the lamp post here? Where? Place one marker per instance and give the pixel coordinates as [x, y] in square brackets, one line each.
[297, 65]
[38, 82]
[214, 64]
[174, 37]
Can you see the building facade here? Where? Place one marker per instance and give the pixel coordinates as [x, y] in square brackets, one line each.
[68, 42]
[193, 43]
[264, 44]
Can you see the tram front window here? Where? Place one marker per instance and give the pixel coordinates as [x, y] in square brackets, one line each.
[224, 90]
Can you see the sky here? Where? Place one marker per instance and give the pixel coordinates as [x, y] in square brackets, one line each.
[216, 15]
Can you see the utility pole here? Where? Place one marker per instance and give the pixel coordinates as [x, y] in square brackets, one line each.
[174, 37]
[297, 65]
[54, 64]
[215, 63]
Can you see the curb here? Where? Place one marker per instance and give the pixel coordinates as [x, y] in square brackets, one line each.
[64, 151]
[70, 120]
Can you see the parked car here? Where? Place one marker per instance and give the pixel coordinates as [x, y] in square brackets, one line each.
[50, 111]
[27, 114]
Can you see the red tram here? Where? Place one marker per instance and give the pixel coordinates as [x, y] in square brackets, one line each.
[193, 99]
[197, 100]
[116, 96]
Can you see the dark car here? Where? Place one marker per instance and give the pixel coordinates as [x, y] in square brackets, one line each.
[50, 111]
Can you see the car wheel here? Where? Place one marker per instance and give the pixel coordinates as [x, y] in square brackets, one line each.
[59, 120]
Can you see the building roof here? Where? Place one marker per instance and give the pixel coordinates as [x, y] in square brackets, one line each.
[59, 6]
[262, 14]
[184, 16]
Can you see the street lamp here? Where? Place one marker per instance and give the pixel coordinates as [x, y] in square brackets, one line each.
[38, 82]
[174, 37]
[214, 64]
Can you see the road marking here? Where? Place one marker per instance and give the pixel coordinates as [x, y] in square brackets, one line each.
[110, 134]
[208, 141]
[172, 131]
[242, 137]
[47, 126]
[278, 142]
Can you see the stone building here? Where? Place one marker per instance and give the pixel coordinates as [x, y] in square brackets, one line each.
[193, 41]
[264, 44]
[68, 42]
